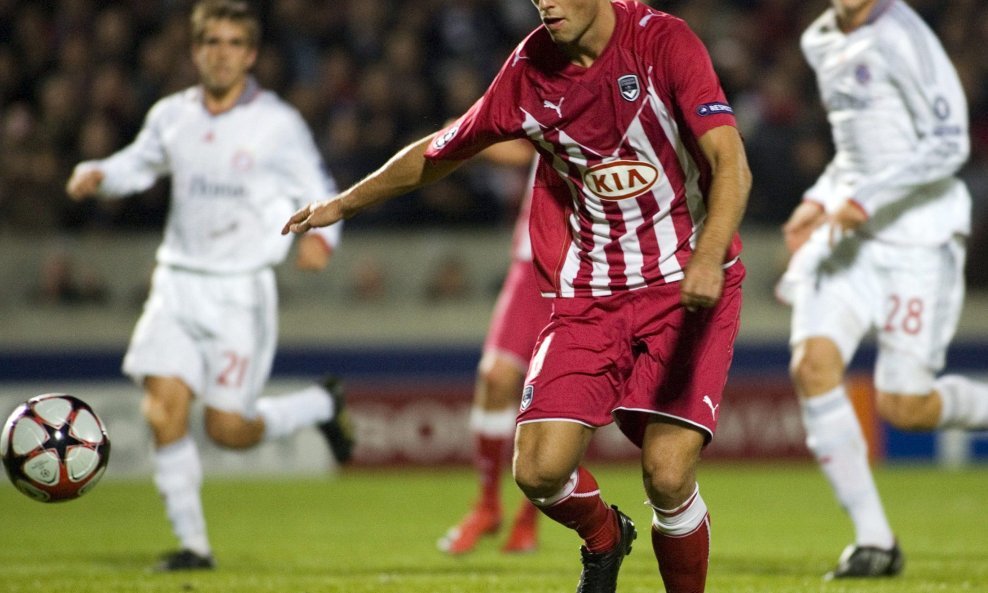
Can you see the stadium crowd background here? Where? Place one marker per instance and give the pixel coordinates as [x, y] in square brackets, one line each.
[78, 76]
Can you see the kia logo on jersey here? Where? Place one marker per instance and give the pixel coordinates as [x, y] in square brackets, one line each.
[620, 180]
[629, 87]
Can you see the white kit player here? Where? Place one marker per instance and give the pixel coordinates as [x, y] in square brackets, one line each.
[879, 243]
[240, 161]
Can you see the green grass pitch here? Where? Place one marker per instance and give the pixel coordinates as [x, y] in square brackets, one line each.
[776, 528]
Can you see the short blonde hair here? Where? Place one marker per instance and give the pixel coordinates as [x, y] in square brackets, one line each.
[230, 10]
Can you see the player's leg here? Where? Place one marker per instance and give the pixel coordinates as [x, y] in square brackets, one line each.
[177, 471]
[277, 416]
[834, 436]
[680, 521]
[830, 316]
[670, 408]
[519, 315]
[570, 390]
[547, 469]
[919, 328]
[240, 353]
[492, 424]
[164, 360]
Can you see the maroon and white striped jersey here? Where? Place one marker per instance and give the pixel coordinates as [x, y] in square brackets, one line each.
[619, 196]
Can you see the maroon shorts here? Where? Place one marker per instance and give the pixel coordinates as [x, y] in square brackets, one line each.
[632, 356]
[519, 315]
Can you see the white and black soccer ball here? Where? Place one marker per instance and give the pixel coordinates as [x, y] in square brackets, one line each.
[54, 447]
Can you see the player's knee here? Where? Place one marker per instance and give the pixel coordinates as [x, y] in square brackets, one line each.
[666, 482]
[166, 414]
[499, 381]
[815, 370]
[538, 481]
[909, 412]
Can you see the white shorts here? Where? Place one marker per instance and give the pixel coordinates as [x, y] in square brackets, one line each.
[910, 295]
[217, 333]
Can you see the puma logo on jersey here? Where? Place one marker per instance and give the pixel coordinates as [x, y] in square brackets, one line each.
[557, 107]
[518, 57]
[620, 180]
[645, 19]
[710, 404]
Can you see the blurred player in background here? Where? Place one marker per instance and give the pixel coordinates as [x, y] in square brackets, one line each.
[879, 243]
[641, 185]
[519, 315]
[240, 161]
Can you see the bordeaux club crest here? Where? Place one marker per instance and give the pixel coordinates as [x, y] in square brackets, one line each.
[629, 87]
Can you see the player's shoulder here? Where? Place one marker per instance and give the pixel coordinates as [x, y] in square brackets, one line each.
[645, 20]
[645, 29]
[822, 26]
[899, 28]
[268, 105]
[175, 103]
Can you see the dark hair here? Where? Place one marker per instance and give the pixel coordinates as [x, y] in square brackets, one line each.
[231, 10]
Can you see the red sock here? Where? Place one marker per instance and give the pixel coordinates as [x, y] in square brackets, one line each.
[527, 513]
[585, 512]
[683, 558]
[489, 460]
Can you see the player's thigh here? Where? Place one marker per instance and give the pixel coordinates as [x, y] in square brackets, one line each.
[838, 304]
[162, 344]
[240, 346]
[670, 454]
[682, 360]
[547, 453]
[581, 362]
[922, 304]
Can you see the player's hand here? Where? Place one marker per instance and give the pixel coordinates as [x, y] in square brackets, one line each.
[84, 183]
[702, 284]
[315, 214]
[801, 224]
[313, 253]
[849, 217]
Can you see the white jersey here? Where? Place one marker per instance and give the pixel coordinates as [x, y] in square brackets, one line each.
[900, 128]
[236, 177]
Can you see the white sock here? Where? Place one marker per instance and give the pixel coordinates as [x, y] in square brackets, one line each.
[178, 476]
[493, 423]
[682, 520]
[964, 403]
[834, 435]
[285, 414]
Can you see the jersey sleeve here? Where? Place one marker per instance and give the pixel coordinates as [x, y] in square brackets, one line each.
[137, 166]
[304, 174]
[935, 99]
[491, 119]
[685, 67]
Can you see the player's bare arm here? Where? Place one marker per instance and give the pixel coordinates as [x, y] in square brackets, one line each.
[726, 203]
[804, 219]
[514, 153]
[84, 183]
[406, 171]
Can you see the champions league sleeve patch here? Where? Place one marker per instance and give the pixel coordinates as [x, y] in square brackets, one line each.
[444, 138]
[714, 109]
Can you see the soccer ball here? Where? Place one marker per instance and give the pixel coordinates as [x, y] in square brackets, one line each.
[54, 447]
